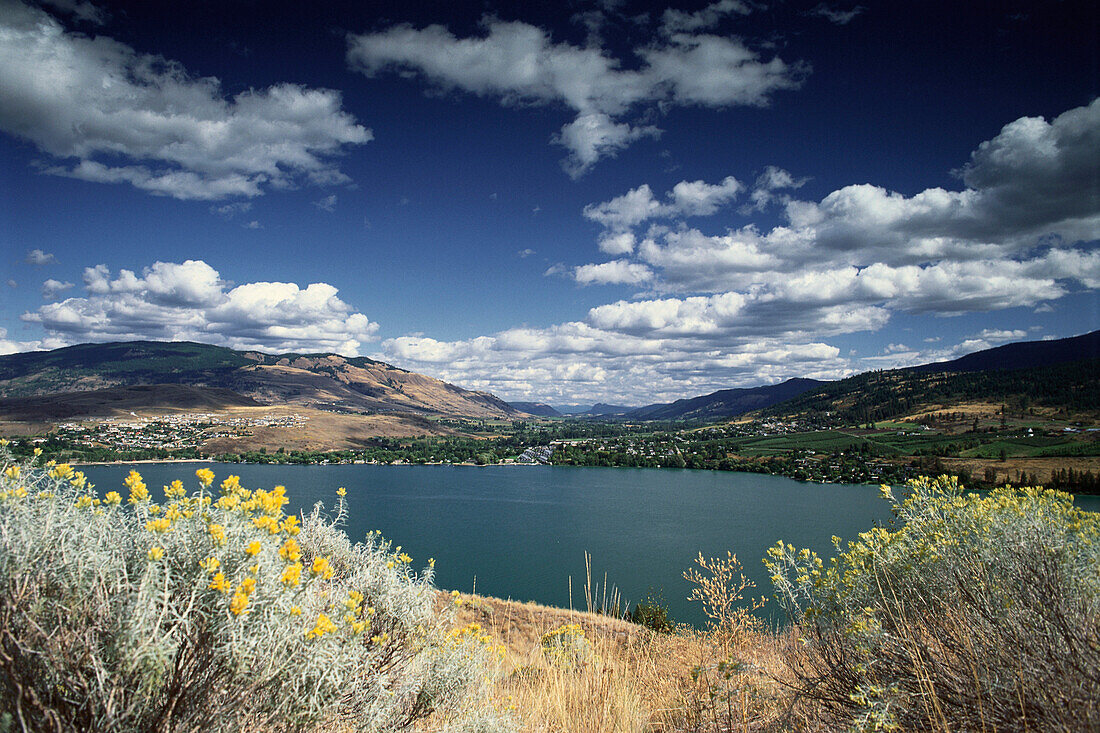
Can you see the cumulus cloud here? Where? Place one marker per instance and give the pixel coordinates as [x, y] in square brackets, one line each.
[143, 120]
[675, 21]
[51, 288]
[578, 361]
[190, 301]
[38, 257]
[686, 199]
[768, 185]
[616, 272]
[520, 64]
[748, 305]
[1012, 237]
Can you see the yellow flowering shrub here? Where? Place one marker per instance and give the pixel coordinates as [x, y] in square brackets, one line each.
[566, 646]
[114, 612]
[978, 611]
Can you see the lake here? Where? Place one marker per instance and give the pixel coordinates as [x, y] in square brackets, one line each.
[522, 531]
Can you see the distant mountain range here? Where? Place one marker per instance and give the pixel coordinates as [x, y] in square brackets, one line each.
[94, 379]
[1021, 355]
[101, 379]
[725, 403]
[538, 409]
[866, 395]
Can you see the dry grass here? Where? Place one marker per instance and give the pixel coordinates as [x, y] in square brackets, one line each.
[637, 680]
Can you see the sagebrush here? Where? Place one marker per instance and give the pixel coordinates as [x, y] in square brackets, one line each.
[216, 610]
[979, 612]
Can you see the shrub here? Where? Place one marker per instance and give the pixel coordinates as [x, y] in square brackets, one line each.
[977, 613]
[567, 647]
[652, 613]
[213, 610]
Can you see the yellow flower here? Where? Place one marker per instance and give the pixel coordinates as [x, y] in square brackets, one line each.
[268, 523]
[155, 553]
[290, 526]
[205, 476]
[341, 491]
[158, 525]
[174, 489]
[79, 480]
[62, 471]
[239, 603]
[217, 533]
[323, 626]
[231, 484]
[210, 564]
[219, 583]
[37, 452]
[230, 501]
[295, 611]
[138, 491]
[290, 550]
[321, 567]
[248, 586]
[292, 575]
[84, 502]
[12, 473]
[253, 548]
[133, 480]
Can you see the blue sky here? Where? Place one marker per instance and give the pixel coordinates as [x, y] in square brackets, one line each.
[593, 201]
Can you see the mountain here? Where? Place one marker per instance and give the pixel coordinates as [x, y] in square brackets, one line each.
[1059, 373]
[325, 381]
[1021, 355]
[725, 403]
[535, 408]
[96, 402]
[601, 410]
[1056, 372]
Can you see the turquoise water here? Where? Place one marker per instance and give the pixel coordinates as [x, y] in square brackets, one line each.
[522, 531]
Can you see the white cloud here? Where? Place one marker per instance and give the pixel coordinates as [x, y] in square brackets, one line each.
[617, 243]
[79, 9]
[525, 253]
[189, 301]
[519, 64]
[51, 288]
[8, 346]
[616, 272]
[38, 257]
[593, 136]
[228, 211]
[995, 336]
[747, 306]
[133, 118]
[328, 203]
[253, 225]
[836, 15]
[1011, 238]
[674, 21]
[773, 179]
[686, 199]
